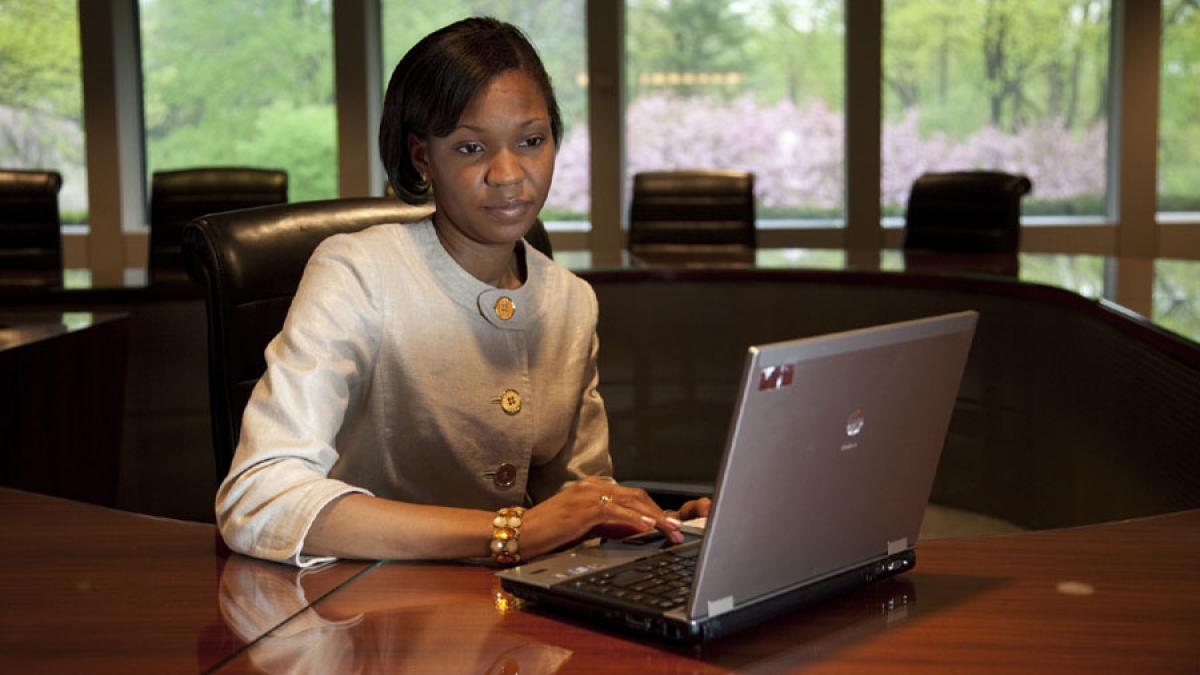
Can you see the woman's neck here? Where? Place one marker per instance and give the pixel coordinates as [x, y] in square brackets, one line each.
[494, 264]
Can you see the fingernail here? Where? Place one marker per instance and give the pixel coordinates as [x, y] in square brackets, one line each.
[675, 522]
[648, 520]
[676, 538]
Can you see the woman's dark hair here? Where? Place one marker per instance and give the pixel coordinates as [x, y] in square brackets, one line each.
[436, 80]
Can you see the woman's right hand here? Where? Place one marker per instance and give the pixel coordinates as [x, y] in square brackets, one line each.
[588, 505]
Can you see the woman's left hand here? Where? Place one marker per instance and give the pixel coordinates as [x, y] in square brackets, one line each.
[695, 508]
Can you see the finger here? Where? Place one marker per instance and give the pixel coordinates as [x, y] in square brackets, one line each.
[696, 508]
[615, 513]
[639, 500]
[634, 515]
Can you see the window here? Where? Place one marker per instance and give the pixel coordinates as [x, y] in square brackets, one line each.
[1013, 85]
[1176, 296]
[557, 30]
[241, 82]
[41, 96]
[1178, 123]
[1083, 274]
[754, 85]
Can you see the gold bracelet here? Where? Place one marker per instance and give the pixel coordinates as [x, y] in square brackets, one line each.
[506, 535]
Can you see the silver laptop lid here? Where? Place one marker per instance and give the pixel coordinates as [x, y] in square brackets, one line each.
[830, 458]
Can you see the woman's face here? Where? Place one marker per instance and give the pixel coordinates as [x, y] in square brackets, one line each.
[491, 174]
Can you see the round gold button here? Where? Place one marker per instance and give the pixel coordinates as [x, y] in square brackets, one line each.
[505, 308]
[510, 401]
[506, 475]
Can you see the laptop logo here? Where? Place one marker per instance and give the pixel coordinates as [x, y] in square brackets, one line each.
[854, 427]
[776, 377]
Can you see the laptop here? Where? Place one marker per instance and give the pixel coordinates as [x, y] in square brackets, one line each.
[825, 477]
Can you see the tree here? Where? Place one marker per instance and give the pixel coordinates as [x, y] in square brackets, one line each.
[41, 112]
[39, 57]
[556, 29]
[684, 39]
[1178, 123]
[797, 51]
[221, 78]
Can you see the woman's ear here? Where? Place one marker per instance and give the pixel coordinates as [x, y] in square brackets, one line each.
[418, 154]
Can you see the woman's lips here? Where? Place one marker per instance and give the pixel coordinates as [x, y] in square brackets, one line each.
[507, 210]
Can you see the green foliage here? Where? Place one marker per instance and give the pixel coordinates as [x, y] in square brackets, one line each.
[251, 81]
[241, 82]
[1179, 121]
[1176, 300]
[1004, 63]
[39, 57]
[797, 51]
[1083, 274]
[556, 29]
[684, 36]
[274, 145]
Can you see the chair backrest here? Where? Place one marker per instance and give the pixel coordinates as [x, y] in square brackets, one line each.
[176, 197]
[250, 263]
[965, 211]
[710, 210]
[30, 229]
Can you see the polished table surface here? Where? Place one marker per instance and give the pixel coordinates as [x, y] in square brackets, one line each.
[1110, 598]
[62, 387]
[1164, 290]
[90, 589]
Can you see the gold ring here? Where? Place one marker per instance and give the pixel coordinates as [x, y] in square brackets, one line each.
[604, 499]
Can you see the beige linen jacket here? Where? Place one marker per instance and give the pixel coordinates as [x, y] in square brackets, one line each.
[387, 379]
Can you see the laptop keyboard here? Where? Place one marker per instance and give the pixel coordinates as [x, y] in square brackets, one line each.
[660, 582]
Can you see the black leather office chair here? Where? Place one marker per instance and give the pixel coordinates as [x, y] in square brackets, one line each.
[30, 228]
[965, 212]
[692, 211]
[250, 263]
[176, 197]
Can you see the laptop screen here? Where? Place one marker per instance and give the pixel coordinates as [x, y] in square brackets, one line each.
[831, 456]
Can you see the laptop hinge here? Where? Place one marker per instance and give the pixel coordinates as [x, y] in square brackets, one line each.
[716, 607]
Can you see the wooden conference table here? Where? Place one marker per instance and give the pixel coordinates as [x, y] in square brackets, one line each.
[88, 589]
[62, 383]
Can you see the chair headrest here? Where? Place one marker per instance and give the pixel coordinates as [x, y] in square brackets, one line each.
[27, 184]
[689, 181]
[203, 181]
[973, 183]
[261, 252]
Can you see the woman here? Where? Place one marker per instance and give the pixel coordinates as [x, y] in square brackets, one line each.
[432, 380]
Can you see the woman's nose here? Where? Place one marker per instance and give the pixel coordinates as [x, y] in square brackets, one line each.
[504, 169]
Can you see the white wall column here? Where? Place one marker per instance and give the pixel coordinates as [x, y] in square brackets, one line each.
[358, 86]
[864, 104]
[606, 126]
[110, 54]
[1133, 118]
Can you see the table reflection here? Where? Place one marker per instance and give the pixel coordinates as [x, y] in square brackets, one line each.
[414, 617]
[395, 618]
[17, 329]
[1167, 291]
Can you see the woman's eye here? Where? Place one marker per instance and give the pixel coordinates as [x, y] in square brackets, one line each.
[534, 141]
[469, 148]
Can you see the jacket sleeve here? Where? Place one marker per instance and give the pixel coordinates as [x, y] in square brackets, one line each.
[319, 362]
[586, 450]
